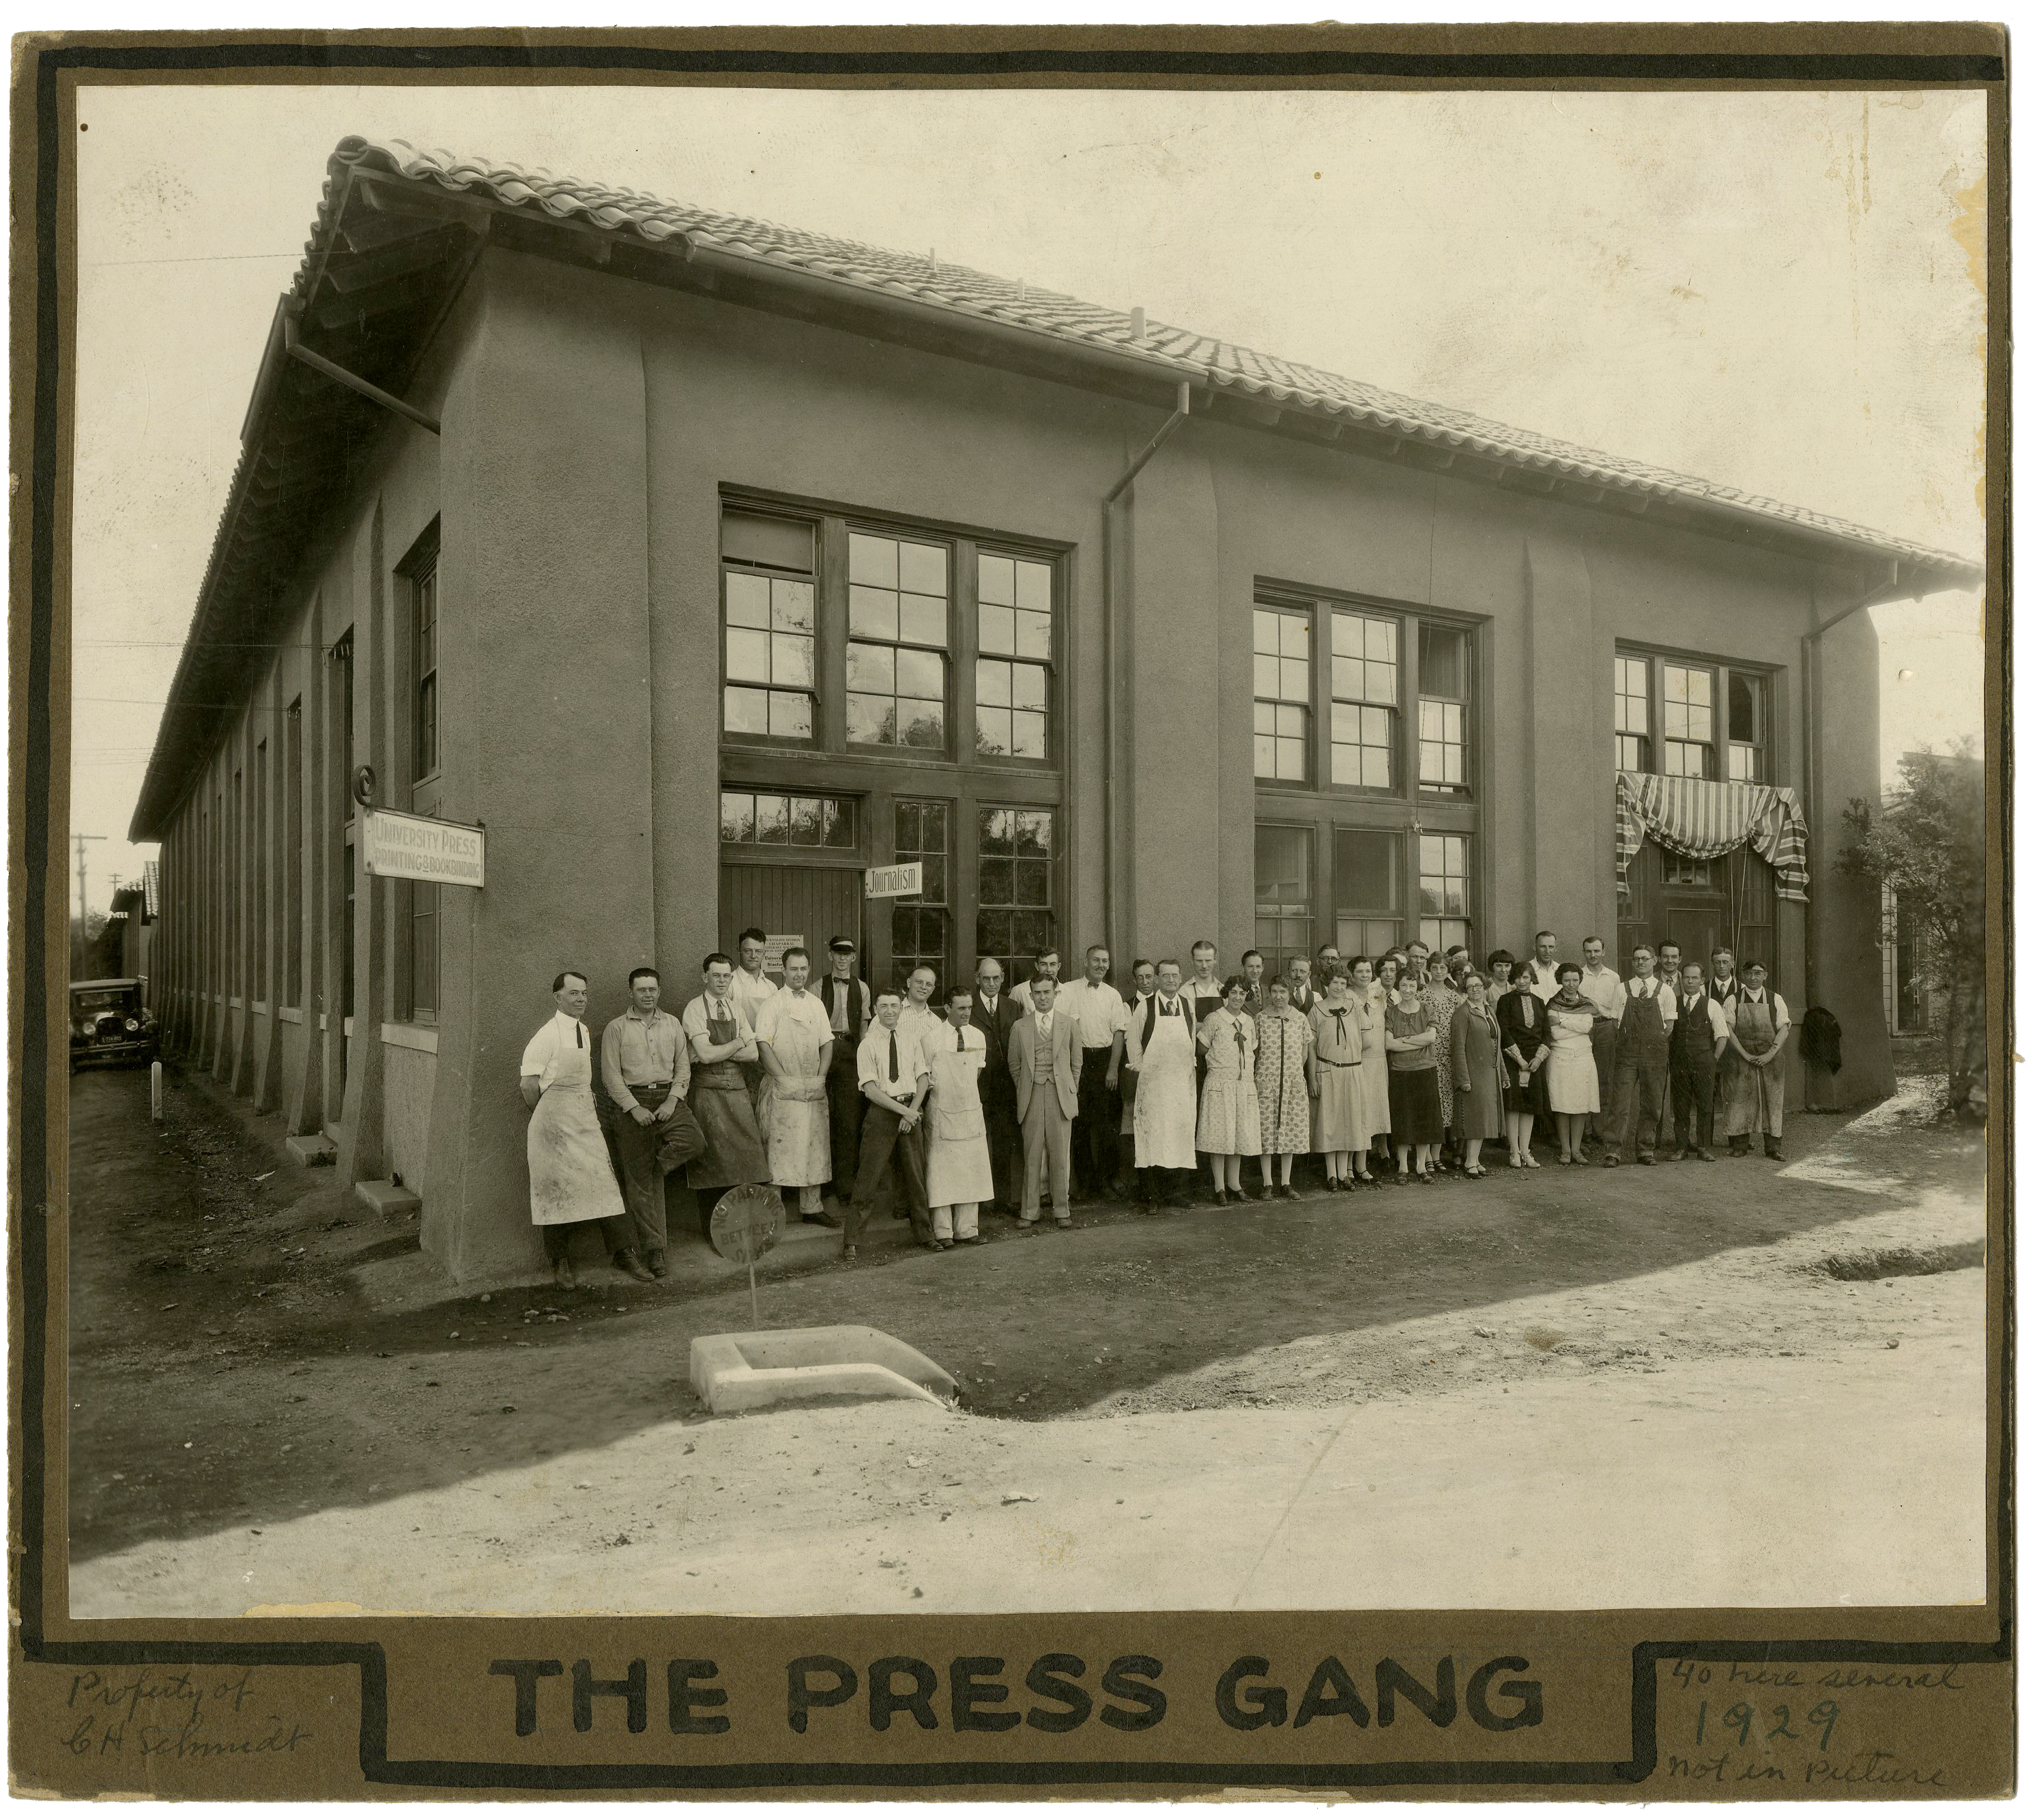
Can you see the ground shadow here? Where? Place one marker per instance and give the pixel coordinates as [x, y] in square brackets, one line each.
[225, 1369]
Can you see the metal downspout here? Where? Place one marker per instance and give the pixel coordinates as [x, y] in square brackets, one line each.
[1114, 604]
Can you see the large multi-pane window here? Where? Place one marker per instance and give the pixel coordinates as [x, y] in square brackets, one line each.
[1282, 680]
[898, 638]
[1281, 913]
[1368, 905]
[775, 818]
[1686, 721]
[1015, 643]
[1747, 727]
[767, 626]
[1014, 886]
[260, 869]
[1446, 890]
[1365, 697]
[1445, 707]
[425, 669]
[1686, 717]
[920, 927]
[293, 854]
[1632, 747]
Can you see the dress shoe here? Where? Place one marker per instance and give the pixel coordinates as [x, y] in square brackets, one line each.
[1703, 1155]
[1063, 1224]
[562, 1274]
[973, 1239]
[1774, 1154]
[847, 1253]
[1611, 1162]
[1646, 1160]
[822, 1217]
[632, 1265]
[656, 1260]
[1290, 1192]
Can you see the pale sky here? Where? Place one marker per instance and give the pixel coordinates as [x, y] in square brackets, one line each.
[1778, 290]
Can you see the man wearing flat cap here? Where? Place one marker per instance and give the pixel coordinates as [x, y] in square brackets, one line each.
[846, 1000]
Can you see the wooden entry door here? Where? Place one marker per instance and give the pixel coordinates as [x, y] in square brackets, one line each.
[814, 903]
[1700, 905]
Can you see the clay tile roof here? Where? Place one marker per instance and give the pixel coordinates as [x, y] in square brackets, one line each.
[1224, 366]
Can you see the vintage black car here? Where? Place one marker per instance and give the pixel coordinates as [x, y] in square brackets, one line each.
[109, 1024]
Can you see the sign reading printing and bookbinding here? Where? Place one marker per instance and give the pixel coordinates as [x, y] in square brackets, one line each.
[398, 846]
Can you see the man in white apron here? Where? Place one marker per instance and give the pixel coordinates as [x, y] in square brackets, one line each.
[957, 1143]
[1161, 1045]
[572, 1183]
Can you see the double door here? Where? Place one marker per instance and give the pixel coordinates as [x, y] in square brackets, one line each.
[1728, 902]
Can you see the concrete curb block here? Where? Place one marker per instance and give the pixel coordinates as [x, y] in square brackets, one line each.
[736, 1372]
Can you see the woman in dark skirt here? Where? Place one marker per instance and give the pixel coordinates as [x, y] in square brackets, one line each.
[1413, 1102]
[1524, 1044]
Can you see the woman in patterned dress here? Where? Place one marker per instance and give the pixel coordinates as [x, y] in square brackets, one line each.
[1286, 1082]
[1229, 1130]
[1441, 999]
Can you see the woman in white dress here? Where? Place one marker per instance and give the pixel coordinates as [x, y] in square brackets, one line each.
[1229, 1131]
[1571, 1072]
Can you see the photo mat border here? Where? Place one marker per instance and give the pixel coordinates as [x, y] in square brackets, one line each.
[1340, 57]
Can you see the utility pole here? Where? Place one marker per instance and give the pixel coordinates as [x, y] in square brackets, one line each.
[77, 948]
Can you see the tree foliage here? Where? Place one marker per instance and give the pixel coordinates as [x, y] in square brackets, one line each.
[1927, 846]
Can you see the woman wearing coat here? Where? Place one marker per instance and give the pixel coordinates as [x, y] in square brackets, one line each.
[1229, 1129]
[1479, 1071]
[1523, 1036]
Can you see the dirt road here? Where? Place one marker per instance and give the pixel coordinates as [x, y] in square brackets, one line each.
[1578, 1386]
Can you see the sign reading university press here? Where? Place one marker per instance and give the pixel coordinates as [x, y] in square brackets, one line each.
[893, 881]
[398, 846]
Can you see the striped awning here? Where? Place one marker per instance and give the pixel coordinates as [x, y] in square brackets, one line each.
[1702, 819]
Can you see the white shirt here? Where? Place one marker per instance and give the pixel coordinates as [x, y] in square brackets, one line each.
[1604, 991]
[1542, 977]
[788, 1008]
[873, 1062]
[541, 1054]
[916, 1024]
[753, 991]
[943, 1042]
[1780, 1011]
[1183, 1011]
[1716, 1010]
[1099, 1011]
[1665, 999]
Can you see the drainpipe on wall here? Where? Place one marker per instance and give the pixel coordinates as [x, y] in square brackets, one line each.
[1113, 608]
[1891, 587]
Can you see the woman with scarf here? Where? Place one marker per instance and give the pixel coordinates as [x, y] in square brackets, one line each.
[1350, 1108]
[1286, 1082]
[1229, 1129]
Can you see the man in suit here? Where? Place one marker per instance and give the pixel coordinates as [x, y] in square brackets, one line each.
[846, 1000]
[993, 1011]
[1045, 1058]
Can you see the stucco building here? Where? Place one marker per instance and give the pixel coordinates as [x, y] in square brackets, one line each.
[706, 563]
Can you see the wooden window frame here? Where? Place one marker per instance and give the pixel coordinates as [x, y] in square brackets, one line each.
[1303, 613]
[1722, 671]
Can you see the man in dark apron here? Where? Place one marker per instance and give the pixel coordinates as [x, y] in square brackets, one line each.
[719, 1033]
[1641, 1060]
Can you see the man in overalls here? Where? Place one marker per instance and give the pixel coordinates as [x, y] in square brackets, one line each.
[1758, 1021]
[1641, 1060]
[1695, 1046]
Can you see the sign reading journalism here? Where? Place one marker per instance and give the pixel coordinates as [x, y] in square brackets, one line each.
[893, 881]
[398, 846]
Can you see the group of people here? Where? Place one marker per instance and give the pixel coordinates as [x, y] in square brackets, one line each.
[1389, 1071]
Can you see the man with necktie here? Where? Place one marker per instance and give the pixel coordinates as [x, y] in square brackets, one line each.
[1098, 1009]
[1720, 988]
[993, 1011]
[1162, 1044]
[1641, 1060]
[846, 1000]
[958, 1158]
[1695, 1045]
[1045, 1061]
[572, 1183]
[718, 1029]
[890, 1068]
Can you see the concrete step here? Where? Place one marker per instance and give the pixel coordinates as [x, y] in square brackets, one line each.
[311, 1148]
[389, 1200]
